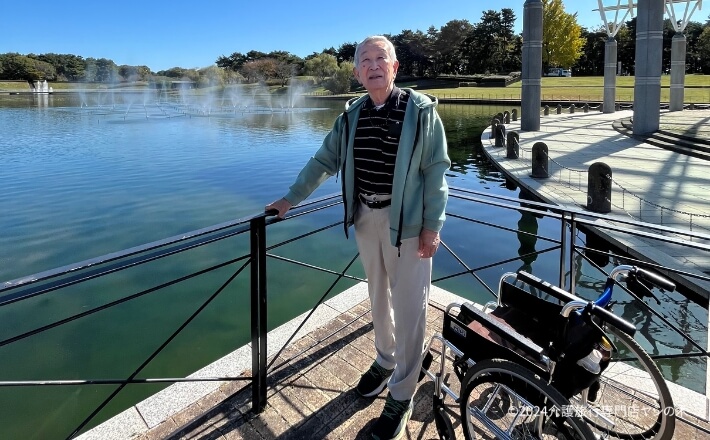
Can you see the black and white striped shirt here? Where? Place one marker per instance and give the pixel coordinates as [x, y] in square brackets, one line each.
[376, 140]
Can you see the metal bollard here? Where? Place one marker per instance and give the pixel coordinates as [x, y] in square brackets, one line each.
[571, 108]
[514, 114]
[559, 109]
[586, 107]
[506, 117]
[599, 188]
[617, 106]
[546, 110]
[513, 145]
[494, 124]
[539, 161]
[500, 136]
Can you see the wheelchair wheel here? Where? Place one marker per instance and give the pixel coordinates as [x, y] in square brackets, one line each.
[501, 399]
[632, 400]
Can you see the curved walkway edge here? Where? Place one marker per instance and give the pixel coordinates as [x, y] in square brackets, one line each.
[649, 183]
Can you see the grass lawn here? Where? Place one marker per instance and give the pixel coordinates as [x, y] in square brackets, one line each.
[583, 88]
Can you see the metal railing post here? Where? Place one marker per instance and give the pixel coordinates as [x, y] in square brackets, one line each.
[258, 313]
[563, 245]
[572, 254]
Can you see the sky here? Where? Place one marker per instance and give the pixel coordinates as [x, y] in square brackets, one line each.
[162, 34]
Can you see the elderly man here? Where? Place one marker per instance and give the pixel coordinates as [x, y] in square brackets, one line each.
[391, 147]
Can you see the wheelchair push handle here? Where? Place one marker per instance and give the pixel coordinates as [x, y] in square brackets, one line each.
[610, 318]
[566, 297]
[655, 279]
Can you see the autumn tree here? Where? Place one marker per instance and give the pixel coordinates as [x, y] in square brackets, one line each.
[561, 35]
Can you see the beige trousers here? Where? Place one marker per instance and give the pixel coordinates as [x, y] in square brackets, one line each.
[399, 294]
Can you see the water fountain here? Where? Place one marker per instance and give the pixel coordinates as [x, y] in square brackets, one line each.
[164, 103]
[41, 87]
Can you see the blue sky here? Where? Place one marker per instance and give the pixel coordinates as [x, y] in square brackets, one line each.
[162, 34]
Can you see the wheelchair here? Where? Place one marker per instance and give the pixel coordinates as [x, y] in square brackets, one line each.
[545, 366]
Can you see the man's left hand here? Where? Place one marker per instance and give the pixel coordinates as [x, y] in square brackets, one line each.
[428, 243]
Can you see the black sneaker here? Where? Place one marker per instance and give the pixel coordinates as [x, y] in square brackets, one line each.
[393, 421]
[373, 381]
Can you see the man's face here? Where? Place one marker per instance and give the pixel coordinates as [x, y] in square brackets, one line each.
[375, 69]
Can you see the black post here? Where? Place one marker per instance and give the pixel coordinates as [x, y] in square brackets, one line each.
[547, 110]
[586, 107]
[599, 188]
[506, 117]
[513, 145]
[258, 313]
[539, 161]
[559, 109]
[495, 122]
[571, 108]
[514, 114]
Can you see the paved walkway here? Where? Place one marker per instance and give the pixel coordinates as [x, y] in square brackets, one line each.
[650, 183]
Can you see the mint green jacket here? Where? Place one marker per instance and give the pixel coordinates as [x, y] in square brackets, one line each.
[419, 189]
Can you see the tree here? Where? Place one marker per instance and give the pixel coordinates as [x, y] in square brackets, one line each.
[211, 76]
[448, 45]
[233, 62]
[489, 45]
[284, 71]
[321, 66]
[413, 49]
[346, 52]
[703, 50]
[592, 60]
[342, 79]
[16, 66]
[561, 41]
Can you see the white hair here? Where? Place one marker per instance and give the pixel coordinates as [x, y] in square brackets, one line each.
[389, 47]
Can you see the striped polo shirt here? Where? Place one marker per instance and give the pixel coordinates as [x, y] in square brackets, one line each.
[376, 141]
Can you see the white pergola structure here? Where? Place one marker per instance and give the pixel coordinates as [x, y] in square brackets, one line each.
[620, 11]
[678, 47]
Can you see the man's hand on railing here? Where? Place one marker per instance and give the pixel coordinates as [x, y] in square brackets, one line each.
[282, 206]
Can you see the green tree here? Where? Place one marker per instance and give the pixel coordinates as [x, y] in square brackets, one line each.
[346, 52]
[342, 79]
[561, 35]
[321, 66]
[233, 62]
[448, 46]
[16, 66]
[413, 50]
[703, 50]
[489, 46]
[211, 76]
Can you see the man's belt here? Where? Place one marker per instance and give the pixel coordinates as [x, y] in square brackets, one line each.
[375, 204]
